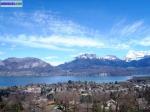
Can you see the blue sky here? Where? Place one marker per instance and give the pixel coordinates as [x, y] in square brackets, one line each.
[58, 30]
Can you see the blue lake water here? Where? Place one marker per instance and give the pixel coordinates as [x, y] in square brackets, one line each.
[11, 81]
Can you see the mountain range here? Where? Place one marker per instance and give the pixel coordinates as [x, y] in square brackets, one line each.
[85, 64]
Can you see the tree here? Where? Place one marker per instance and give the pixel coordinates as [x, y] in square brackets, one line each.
[147, 94]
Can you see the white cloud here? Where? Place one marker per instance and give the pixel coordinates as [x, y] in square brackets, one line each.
[31, 42]
[131, 28]
[69, 41]
[127, 36]
[46, 23]
[45, 29]
[56, 42]
[123, 28]
[121, 46]
[144, 41]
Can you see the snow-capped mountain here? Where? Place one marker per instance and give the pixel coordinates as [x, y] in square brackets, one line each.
[136, 55]
[109, 57]
[87, 64]
[93, 56]
[91, 64]
[86, 56]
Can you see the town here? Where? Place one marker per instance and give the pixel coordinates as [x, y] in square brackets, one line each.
[128, 96]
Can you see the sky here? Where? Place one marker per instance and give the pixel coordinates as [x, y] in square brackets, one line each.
[56, 31]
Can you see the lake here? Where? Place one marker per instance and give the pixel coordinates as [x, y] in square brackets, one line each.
[12, 81]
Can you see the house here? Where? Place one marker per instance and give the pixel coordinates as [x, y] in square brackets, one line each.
[33, 90]
[111, 104]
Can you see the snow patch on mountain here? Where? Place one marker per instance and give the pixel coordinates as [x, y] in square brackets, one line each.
[136, 55]
[93, 56]
[87, 56]
[109, 57]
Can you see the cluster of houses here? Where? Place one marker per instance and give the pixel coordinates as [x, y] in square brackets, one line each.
[47, 92]
[52, 97]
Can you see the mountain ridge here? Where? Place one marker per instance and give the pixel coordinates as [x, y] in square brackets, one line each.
[85, 64]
